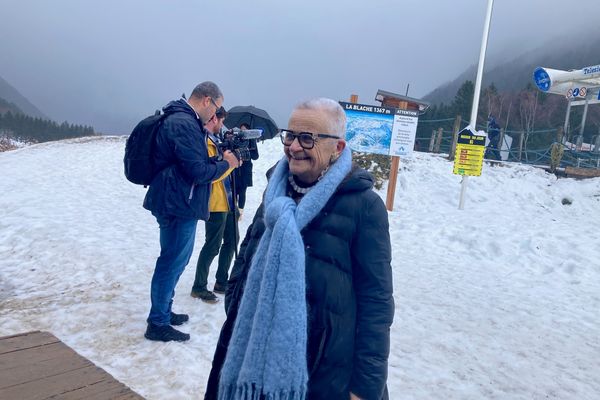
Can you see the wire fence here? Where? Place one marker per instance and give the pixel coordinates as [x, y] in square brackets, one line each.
[533, 147]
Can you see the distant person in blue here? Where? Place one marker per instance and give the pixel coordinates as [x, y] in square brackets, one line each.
[493, 149]
[309, 301]
[178, 197]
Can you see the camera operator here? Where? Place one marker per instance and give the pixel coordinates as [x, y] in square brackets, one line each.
[220, 226]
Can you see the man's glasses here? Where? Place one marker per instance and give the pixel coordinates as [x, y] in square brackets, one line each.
[305, 139]
[213, 102]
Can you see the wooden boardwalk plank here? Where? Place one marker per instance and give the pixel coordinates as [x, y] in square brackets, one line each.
[38, 366]
[31, 364]
[98, 391]
[25, 341]
[43, 388]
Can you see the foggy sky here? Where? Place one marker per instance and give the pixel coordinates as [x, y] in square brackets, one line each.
[110, 63]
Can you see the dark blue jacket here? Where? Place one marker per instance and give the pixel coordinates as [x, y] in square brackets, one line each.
[182, 187]
[348, 293]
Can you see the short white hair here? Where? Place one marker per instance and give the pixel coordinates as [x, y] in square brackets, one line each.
[336, 116]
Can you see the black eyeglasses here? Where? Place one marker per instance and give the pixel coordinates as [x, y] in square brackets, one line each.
[214, 104]
[305, 139]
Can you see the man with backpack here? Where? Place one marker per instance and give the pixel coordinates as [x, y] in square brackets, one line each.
[178, 197]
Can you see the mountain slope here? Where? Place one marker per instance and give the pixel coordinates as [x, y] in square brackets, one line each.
[6, 106]
[516, 72]
[12, 95]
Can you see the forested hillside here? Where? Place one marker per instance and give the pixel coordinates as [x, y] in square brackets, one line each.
[21, 120]
[25, 128]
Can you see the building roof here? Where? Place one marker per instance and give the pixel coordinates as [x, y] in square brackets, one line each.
[382, 94]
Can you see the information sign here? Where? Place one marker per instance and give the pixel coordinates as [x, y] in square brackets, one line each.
[470, 149]
[380, 130]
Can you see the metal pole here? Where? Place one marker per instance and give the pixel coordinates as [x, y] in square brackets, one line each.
[476, 94]
[236, 228]
[566, 126]
[484, 40]
[585, 111]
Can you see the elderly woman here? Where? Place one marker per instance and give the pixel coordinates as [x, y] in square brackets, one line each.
[309, 302]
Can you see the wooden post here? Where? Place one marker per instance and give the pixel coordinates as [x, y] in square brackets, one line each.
[353, 98]
[438, 140]
[455, 131]
[521, 137]
[432, 141]
[395, 165]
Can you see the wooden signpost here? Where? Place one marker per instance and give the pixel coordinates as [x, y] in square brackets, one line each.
[402, 136]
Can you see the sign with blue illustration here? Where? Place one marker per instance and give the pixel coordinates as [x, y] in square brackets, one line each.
[542, 79]
[380, 130]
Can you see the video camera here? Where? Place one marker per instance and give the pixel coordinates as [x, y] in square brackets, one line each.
[238, 142]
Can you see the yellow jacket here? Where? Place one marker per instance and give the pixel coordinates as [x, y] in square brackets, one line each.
[218, 196]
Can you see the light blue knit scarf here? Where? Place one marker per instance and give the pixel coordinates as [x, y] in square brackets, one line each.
[267, 352]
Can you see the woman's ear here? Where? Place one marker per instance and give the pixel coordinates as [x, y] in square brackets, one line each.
[341, 145]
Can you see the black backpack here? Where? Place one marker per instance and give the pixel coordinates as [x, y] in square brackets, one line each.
[139, 160]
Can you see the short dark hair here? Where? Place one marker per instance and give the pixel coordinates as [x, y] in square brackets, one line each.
[245, 125]
[221, 112]
[206, 89]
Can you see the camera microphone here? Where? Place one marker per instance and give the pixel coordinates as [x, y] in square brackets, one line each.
[239, 142]
[248, 133]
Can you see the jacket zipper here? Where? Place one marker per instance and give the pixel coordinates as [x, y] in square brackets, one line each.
[191, 193]
[319, 354]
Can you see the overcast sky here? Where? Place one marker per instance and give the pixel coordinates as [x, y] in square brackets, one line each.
[109, 63]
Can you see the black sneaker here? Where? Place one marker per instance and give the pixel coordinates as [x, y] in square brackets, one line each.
[178, 319]
[220, 289]
[165, 334]
[205, 295]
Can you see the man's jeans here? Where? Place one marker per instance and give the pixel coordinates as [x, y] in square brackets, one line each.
[177, 237]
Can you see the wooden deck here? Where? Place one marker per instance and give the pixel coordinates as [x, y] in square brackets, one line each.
[36, 365]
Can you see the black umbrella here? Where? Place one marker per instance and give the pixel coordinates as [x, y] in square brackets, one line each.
[254, 117]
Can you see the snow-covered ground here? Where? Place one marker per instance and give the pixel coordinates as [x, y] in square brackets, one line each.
[499, 301]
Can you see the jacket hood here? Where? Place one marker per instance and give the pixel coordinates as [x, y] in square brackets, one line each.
[357, 180]
[179, 106]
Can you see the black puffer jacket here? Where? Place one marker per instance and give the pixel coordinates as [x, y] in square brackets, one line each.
[349, 294]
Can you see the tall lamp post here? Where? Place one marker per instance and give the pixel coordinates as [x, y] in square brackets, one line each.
[476, 94]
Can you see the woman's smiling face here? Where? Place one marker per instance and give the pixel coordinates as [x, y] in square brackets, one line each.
[308, 164]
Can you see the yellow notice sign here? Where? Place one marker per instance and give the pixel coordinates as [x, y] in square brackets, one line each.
[470, 149]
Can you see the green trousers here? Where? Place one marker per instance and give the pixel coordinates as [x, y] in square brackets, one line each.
[220, 238]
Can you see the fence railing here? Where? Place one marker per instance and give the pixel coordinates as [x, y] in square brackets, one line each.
[439, 136]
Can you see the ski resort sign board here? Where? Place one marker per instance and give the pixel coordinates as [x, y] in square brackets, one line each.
[574, 84]
[593, 97]
[380, 130]
[470, 149]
